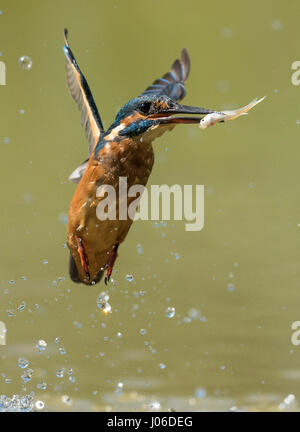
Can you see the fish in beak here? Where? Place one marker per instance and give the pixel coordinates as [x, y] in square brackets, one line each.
[170, 114]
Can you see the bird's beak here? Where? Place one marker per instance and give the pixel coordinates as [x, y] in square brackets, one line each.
[169, 116]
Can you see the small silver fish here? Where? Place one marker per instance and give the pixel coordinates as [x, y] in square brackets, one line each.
[222, 116]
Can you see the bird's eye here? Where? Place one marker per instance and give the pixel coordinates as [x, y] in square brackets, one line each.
[145, 107]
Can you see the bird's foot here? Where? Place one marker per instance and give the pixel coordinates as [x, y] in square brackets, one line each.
[83, 256]
[110, 262]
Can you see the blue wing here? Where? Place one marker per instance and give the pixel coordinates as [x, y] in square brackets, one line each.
[172, 83]
[82, 95]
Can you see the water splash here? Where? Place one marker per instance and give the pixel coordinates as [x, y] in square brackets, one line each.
[16, 403]
[102, 302]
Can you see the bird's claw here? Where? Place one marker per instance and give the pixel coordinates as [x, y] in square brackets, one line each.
[83, 257]
[110, 262]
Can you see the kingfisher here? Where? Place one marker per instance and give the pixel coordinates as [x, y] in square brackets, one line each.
[123, 150]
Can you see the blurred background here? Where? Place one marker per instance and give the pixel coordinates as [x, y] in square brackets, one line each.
[200, 320]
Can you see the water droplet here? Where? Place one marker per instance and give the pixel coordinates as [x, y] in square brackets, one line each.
[170, 312]
[194, 313]
[41, 345]
[143, 332]
[119, 387]
[162, 366]
[119, 335]
[10, 312]
[39, 405]
[102, 302]
[276, 25]
[200, 392]
[63, 217]
[139, 249]
[22, 306]
[25, 62]
[223, 86]
[288, 402]
[60, 373]
[103, 297]
[6, 140]
[77, 324]
[45, 261]
[231, 287]
[129, 278]
[62, 351]
[105, 307]
[42, 386]
[23, 362]
[155, 406]
[27, 375]
[226, 32]
[66, 399]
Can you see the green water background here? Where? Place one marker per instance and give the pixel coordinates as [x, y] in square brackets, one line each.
[228, 345]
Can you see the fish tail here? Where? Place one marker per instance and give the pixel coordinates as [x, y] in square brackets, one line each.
[244, 110]
[252, 104]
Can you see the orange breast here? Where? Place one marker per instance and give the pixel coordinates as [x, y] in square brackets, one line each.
[129, 158]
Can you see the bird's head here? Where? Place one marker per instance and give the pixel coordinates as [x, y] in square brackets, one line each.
[148, 116]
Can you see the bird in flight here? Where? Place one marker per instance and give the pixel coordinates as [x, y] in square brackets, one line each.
[123, 150]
